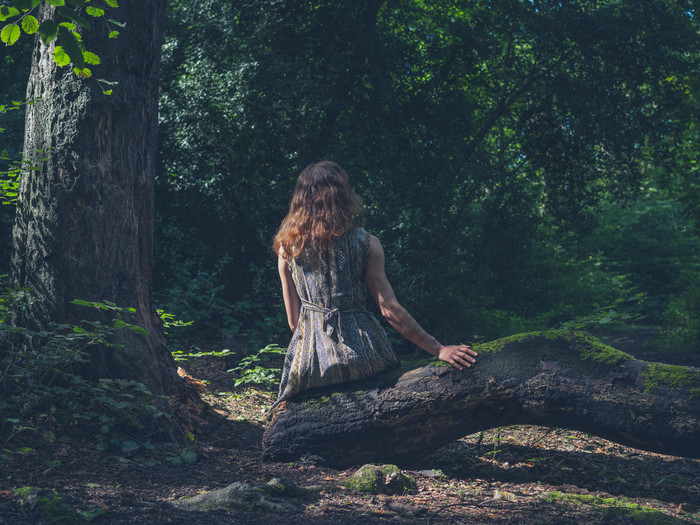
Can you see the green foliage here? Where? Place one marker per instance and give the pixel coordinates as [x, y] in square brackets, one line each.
[180, 355]
[169, 322]
[43, 379]
[652, 244]
[66, 28]
[184, 457]
[604, 315]
[485, 172]
[262, 368]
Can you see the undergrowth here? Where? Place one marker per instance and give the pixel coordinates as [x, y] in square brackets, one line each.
[41, 387]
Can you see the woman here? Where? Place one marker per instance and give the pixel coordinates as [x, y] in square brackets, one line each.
[326, 262]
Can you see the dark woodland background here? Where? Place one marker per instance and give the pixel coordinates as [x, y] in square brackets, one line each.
[526, 164]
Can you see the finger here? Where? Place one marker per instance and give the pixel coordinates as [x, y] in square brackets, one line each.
[467, 358]
[462, 361]
[455, 362]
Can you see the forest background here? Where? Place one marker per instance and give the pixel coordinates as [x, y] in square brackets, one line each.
[526, 164]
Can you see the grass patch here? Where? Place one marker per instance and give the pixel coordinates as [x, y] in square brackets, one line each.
[615, 508]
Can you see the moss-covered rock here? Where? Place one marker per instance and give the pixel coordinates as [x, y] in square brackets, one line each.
[52, 507]
[384, 479]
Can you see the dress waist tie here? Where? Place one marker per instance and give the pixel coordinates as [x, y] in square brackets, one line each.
[329, 313]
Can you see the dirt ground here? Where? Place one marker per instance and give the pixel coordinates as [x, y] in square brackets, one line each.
[519, 474]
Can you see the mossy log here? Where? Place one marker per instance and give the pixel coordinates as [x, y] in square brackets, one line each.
[555, 379]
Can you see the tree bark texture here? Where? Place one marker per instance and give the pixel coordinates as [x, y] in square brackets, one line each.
[555, 379]
[84, 223]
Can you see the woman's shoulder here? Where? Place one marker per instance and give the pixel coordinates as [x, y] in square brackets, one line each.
[360, 233]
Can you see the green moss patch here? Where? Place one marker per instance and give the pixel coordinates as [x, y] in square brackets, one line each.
[672, 376]
[614, 508]
[599, 352]
[588, 347]
[500, 344]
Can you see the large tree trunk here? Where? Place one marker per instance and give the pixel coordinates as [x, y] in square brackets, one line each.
[559, 379]
[84, 220]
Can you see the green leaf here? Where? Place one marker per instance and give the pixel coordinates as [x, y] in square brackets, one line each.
[57, 3]
[30, 24]
[79, 330]
[95, 11]
[10, 34]
[7, 12]
[82, 72]
[81, 302]
[91, 58]
[60, 56]
[112, 3]
[73, 15]
[188, 456]
[113, 34]
[138, 329]
[71, 47]
[129, 446]
[25, 4]
[48, 30]
[89, 515]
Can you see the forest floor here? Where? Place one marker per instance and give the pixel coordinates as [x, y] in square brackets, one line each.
[518, 474]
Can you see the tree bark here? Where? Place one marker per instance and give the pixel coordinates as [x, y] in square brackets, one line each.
[84, 222]
[556, 379]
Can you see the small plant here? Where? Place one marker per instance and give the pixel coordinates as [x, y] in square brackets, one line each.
[170, 322]
[258, 369]
[605, 315]
[496, 443]
[180, 355]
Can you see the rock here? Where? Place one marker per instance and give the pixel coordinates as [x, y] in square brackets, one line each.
[270, 497]
[431, 473]
[283, 488]
[235, 496]
[404, 511]
[384, 479]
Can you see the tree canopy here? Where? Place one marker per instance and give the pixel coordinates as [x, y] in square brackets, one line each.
[488, 140]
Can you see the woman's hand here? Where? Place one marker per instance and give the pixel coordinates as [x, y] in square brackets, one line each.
[458, 356]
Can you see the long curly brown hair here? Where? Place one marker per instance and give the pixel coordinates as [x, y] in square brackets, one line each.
[323, 207]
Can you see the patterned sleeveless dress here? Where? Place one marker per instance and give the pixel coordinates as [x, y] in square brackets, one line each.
[337, 339]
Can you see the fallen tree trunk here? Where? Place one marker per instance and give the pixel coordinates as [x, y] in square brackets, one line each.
[556, 379]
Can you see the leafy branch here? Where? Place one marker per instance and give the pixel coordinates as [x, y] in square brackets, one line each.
[64, 29]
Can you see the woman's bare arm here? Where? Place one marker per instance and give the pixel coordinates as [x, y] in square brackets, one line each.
[457, 355]
[292, 302]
